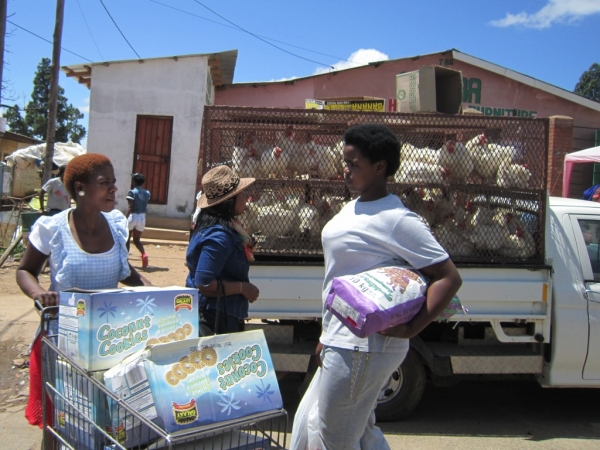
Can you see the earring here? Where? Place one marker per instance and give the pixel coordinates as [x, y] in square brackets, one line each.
[81, 193]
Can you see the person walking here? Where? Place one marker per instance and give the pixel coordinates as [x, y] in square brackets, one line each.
[137, 199]
[374, 230]
[86, 249]
[58, 197]
[219, 253]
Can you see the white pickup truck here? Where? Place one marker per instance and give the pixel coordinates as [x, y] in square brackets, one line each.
[480, 184]
[543, 321]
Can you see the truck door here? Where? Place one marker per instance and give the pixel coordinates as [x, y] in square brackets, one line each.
[587, 236]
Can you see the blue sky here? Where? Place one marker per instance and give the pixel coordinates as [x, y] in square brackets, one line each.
[552, 40]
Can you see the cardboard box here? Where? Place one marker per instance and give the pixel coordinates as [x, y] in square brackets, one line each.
[429, 89]
[78, 406]
[185, 384]
[97, 329]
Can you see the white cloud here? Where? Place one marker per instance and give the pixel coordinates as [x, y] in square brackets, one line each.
[555, 11]
[284, 79]
[360, 57]
[86, 106]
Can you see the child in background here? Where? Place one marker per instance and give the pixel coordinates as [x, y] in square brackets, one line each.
[58, 197]
[138, 199]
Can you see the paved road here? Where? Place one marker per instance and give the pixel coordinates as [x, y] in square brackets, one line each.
[470, 415]
[493, 415]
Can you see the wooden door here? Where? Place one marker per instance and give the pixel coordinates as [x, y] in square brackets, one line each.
[152, 155]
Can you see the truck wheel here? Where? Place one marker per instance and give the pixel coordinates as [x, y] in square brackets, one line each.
[403, 391]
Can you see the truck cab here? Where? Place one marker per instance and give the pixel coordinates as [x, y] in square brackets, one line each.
[573, 242]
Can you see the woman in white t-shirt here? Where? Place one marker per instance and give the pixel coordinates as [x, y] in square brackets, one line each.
[374, 230]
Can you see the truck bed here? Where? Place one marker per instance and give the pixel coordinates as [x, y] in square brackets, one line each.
[490, 294]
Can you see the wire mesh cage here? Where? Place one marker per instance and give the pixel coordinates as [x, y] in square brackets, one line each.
[477, 181]
[78, 414]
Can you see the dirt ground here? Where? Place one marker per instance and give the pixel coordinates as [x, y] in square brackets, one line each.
[19, 321]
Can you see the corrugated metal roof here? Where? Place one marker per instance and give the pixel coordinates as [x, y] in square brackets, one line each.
[221, 64]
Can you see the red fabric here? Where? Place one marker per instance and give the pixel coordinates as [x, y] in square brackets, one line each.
[33, 411]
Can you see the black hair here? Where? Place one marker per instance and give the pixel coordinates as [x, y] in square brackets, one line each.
[138, 179]
[376, 143]
[61, 171]
[221, 213]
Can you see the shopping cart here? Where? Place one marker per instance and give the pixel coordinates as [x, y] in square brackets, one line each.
[78, 413]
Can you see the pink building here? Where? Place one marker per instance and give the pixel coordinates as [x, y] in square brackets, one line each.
[487, 87]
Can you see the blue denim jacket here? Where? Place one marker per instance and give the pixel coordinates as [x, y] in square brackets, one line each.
[217, 252]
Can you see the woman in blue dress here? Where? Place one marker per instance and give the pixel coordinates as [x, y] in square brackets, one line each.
[219, 252]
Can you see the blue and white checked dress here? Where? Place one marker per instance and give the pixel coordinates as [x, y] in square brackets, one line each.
[70, 266]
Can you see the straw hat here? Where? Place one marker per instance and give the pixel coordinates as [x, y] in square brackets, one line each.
[219, 184]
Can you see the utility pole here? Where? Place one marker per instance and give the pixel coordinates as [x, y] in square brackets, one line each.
[53, 100]
[3, 8]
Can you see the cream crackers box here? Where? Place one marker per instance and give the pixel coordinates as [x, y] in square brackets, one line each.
[97, 329]
[196, 382]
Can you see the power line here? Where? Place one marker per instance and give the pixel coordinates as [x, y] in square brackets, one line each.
[237, 28]
[264, 40]
[113, 20]
[89, 30]
[44, 39]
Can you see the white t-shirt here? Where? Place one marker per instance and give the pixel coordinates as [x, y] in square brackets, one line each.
[364, 236]
[58, 197]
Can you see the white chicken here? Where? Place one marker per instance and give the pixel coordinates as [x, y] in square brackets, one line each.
[487, 234]
[309, 222]
[424, 204]
[513, 175]
[321, 161]
[413, 172]
[503, 152]
[328, 206]
[281, 218]
[286, 139]
[519, 245]
[275, 163]
[488, 157]
[456, 160]
[409, 152]
[451, 236]
[245, 160]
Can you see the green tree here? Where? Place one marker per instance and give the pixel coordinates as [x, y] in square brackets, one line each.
[589, 83]
[35, 122]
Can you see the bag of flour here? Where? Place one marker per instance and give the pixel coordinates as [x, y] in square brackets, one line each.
[381, 298]
[377, 299]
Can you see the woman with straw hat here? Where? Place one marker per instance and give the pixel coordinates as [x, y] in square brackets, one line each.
[219, 253]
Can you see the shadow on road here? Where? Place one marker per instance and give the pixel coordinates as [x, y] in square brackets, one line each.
[503, 409]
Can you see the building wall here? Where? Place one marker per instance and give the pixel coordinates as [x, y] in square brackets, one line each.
[9, 146]
[487, 91]
[173, 87]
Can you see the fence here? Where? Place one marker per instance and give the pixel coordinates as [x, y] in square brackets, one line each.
[477, 181]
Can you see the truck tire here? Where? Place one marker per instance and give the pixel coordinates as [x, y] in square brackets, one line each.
[403, 391]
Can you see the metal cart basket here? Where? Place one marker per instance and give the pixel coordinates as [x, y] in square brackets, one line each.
[76, 413]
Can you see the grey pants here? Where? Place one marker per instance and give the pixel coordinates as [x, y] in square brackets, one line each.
[350, 384]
